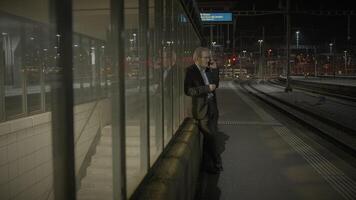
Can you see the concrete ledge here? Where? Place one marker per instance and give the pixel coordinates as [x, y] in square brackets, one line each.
[175, 174]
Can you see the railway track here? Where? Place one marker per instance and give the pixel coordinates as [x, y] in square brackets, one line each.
[313, 88]
[340, 99]
[335, 131]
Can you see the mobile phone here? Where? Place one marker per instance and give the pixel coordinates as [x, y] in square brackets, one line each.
[209, 63]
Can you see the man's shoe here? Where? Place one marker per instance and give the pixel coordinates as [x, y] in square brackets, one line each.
[212, 171]
[219, 167]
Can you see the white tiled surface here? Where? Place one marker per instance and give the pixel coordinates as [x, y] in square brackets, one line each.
[3, 157]
[41, 119]
[22, 123]
[12, 126]
[4, 191]
[26, 151]
[5, 128]
[4, 174]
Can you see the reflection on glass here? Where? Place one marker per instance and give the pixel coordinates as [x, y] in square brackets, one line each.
[92, 112]
[14, 72]
[28, 68]
[35, 51]
[136, 99]
[26, 167]
[174, 66]
[2, 79]
[155, 94]
[168, 75]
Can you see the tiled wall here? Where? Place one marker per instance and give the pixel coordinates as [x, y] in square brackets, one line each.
[26, 150]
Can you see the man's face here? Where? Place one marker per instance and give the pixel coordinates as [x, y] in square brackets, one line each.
[204, 59]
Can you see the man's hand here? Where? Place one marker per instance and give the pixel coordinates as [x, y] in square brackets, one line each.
[212, 87]
[213, 64]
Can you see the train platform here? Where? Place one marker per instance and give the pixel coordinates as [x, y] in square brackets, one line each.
[269, 156]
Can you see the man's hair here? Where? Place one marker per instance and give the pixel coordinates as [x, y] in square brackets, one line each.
[198, 51]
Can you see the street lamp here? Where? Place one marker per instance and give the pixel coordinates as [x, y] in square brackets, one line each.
[297, 37]
[260, 63]
[332, 57]
[345, 57]
[315, 62]
[331, 48]
[244, 51]
[270, 66]
[131, 43]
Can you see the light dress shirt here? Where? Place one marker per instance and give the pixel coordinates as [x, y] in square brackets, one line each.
[206, 81]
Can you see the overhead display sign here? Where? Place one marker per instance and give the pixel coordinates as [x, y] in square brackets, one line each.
[183, 19]
[216, 17]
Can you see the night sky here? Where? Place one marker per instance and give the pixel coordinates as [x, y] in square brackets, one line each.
[314, 30]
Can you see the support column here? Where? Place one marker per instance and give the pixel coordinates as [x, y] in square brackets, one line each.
[288, 87]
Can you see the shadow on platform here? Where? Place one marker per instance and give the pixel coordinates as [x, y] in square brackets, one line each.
[207, 188]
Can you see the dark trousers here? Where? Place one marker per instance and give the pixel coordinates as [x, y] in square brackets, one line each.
[208, 126]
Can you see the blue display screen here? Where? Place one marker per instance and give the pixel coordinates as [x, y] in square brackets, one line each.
[183, 18]
[216, 17]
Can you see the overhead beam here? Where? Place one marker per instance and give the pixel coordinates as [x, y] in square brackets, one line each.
[307, 12]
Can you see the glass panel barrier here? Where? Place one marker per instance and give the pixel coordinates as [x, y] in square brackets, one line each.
[155, 78]
[175, 66]
[167, 72]
[34, 50]
[92, 112]
[2, 78]
[32, 82]
[136, 95]
[26, 165]
[13, 37]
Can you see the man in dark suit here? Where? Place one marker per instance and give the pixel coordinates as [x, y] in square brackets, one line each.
[204, 109]
[212, 72]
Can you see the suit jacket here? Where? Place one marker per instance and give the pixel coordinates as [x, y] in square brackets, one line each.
[213, 76]
[195, 87]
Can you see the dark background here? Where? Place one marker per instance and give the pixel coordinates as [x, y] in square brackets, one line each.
[318, 30]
